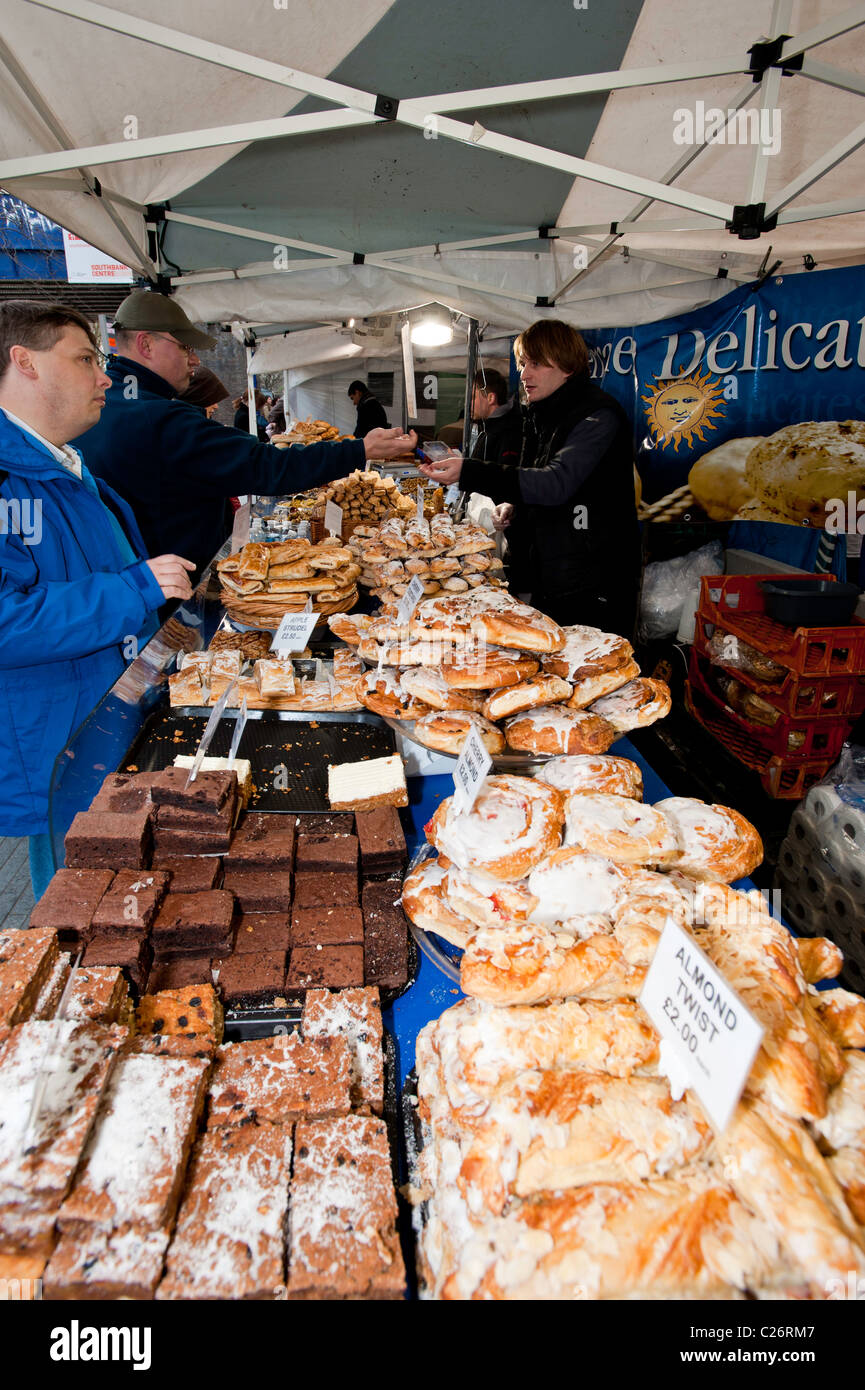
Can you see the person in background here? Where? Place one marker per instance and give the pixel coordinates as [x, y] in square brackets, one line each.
[573, 536]
[205, 391]
[370, 411]
[241, 414]
[276, 418]
[78, 595]
[500, 418]
[174, 467]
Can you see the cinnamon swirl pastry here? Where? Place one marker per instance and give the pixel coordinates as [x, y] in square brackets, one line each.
[513, 824]
[714, 842]
[584, 773]
[425, 904]
[640, 702]
[623, 830]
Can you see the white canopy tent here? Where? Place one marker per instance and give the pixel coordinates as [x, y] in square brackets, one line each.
[560, 191]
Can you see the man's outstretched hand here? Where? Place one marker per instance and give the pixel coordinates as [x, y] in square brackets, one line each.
[388, 444]
[170, 573]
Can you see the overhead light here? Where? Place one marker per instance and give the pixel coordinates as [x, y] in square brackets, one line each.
[351, 323]
[433, 327]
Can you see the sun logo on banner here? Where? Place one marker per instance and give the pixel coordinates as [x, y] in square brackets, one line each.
[683, 408]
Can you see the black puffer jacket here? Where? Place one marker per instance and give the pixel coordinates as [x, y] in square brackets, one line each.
[580, 566]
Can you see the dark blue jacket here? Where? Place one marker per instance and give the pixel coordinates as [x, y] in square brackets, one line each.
[68, 603]
[176, 468]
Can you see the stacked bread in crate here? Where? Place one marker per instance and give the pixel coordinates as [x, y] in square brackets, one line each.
[483, 660]
[267, 579]
[447, 557]
[558, 1161]
[781, 699]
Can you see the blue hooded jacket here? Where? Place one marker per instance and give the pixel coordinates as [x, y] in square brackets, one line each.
[68, 601]
[176, 468]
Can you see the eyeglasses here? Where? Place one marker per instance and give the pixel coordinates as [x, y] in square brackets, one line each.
[189, 351]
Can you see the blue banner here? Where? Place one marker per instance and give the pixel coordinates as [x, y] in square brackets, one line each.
[760, 359]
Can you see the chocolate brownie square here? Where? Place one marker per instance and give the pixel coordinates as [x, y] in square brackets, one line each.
[340, 823]
[327, 854]
[385, 935]
[264, 838]
[382, 841]
[325, 890]
[263, 931]
[132, 953]
[280, 1079]
[69, 902]
[327, 926]
[190, 873]
[122, 791]
[109, 839]
[208, 792]
[251, 980]
[170, 843]
[343, 1240]
[259, 890]
[131, 903]
[176, 974]
[192, 924]
[330, 967]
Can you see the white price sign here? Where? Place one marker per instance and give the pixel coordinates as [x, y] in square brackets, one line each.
[452, 496]
[333, 519]
[473, 764]
[293, 633]
[419, 502]
[706, 1031]
[410, 600]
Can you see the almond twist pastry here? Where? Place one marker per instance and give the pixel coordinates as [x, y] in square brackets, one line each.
[513, 824]
[531, 964]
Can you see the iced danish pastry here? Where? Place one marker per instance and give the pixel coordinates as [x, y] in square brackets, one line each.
[584, 773]
[587, 689]
[425, 904]
[513, 824]
[555, 729]
[570, 883]
[428, 684]
[447, 730]
[714, 842]
[626, 831]
[529, 694]
[382, 692]
[633, 706]
[587, 651]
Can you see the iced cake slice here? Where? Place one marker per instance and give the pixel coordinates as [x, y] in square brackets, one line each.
[363, 786]
[229, 1240]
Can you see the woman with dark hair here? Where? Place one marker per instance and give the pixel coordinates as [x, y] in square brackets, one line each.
[569, 505]
[241, 414]
[205, 391]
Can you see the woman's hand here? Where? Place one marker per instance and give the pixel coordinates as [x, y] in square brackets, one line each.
[502, 515]
[169, 571]
[445, 471]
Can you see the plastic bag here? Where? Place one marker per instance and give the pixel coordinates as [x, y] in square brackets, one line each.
[668, 583]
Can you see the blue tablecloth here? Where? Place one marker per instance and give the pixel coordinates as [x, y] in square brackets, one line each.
[432, 992]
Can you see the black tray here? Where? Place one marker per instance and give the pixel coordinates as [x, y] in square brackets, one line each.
[809, 602]
[301, 743]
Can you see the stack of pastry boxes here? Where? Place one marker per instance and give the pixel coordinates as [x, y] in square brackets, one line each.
[162, 1163]
[781, 699]
[172, 882]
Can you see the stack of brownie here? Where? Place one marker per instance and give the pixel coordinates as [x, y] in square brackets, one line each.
[258, 870]
[326, 922]
[194, 819]
[107, 915]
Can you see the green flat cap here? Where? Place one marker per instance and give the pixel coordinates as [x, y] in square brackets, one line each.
[148, 311]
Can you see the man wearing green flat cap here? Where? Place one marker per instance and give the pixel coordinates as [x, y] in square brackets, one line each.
[174, 467]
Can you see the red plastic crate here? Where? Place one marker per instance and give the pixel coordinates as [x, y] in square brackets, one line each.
[813, 738]
[819, 697]
[735, 602]
[781, 777]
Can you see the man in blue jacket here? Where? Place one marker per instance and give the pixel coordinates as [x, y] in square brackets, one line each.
[177, 469]
[77, 593]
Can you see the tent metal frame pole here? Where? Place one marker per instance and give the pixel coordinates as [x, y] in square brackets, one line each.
[122, 151]
[819, 210]
[549, 89]
[253, 269]
[631, 224]
[826, 162]
[832, 76]
[820, 33]
[770, 91]
[250, 391]
[471, 367]
[107, 195]
[660, 258]
[272, 238]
